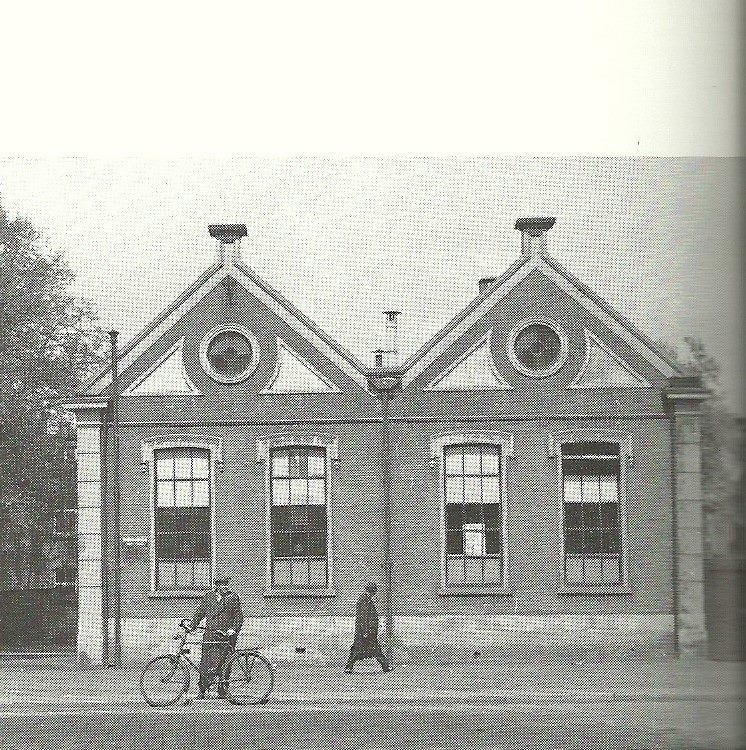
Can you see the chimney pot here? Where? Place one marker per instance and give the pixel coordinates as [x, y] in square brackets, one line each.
[229, 239]
[486, 283]
[534, 233]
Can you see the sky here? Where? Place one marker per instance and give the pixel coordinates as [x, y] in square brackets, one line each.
[347, 238]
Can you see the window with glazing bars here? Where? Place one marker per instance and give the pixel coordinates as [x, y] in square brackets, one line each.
[592, 527]
[183, 542]
[473, 505]
[298, 519]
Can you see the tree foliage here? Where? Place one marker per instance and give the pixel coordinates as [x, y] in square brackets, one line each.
[49, 343]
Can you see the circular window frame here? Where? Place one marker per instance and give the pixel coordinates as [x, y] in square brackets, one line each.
[547, 371]
[210, 337]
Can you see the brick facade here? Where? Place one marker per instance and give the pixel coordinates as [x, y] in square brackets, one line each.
[532, 608]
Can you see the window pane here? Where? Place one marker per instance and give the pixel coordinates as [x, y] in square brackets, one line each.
[201, 465]
[473, 572]
[609, 491]
[611, 571]
[573, 542]
[298, 464]
[316, 491]
[492, 516]
[298, 517]
[183, 497]
[454, 461]
[317, 569]
[491, 490]
[280, 491]
[573, 515]
[317, 544]
[165, 465]
[593, 570]
[201, 494]
[574, 570]
[202, 547]
[299, 544]
[280, 544]
[610, 541]
[455, 542]
[572, 489]
[592, 545]
[474, 539]
[591, 514]
[454, 490]
[609, 514]
[166, 574]
[280, 466]
[492, 570]
[317, 517]
[184, 575]
[472, 490]
[492, 542]
[202, 574]
[316, 464]
[455, 570]
[490, 460]
[471, 460]
[590, 490]
[298, 491]
[182, 463]
[299, 572]
[281, 572]
[280, 518]
[473, 513]
[454, 516]
[165, 494]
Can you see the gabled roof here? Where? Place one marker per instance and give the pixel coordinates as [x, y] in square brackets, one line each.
[256, 286]
[517, 272]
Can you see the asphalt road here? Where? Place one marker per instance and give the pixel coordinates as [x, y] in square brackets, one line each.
[680, 725]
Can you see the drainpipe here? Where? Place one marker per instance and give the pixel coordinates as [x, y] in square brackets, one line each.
[385, 384]
[116, 532]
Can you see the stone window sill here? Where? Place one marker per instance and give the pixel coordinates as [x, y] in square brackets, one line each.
[302, 593]
[475, 591]
[167, 594]
[594, 590]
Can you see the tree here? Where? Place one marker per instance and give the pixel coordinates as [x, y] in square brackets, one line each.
[722, 453]
[49, 343]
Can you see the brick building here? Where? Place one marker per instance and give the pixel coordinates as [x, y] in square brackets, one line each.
[529, 479]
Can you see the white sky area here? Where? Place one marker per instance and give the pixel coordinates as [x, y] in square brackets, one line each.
[345, 239]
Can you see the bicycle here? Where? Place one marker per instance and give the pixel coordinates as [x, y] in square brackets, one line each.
[245, 676]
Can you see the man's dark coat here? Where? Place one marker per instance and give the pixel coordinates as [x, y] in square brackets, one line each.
[219, 613]
[366, 627]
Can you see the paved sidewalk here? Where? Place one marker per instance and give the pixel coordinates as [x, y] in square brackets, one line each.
[478, 681]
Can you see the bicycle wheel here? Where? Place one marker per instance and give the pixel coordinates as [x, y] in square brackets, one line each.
[164, 680]
[248, 678]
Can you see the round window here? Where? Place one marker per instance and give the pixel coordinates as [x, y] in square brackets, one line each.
[229, 354]
[537, 348]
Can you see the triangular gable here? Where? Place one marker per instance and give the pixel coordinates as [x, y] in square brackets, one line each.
[517, 272]
[166, 377]
[604, 369]
[474, 370]
[294, 374]
[187, 301]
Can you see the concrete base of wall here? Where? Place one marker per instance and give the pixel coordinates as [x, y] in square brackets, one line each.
[327, 640]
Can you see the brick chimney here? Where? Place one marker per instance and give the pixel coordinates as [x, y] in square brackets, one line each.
[229, 241]
[534, 234]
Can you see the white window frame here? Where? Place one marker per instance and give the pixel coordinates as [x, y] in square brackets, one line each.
[149, 447]
[438, 445]
[626, 459]
[330, 445]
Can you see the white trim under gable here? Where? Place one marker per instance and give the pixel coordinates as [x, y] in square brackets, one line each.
[104, 380]
[493, 380]
[636, 380]
[487, 304]
[191, 389]
[290, 371]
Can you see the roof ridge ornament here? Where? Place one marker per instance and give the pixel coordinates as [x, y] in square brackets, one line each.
[534, 234]
[229, 240]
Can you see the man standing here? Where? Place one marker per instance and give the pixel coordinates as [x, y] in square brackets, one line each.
[366, 631]
[221, 610]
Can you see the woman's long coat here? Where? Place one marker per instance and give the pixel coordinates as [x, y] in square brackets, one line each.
[366, 627]
[219, 613]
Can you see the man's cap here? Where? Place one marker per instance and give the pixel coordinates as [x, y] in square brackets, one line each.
[371, 587]
[222, 580]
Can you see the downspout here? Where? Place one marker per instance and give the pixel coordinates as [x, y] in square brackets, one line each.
[104, 547]
[386, 470]
[117, 582]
